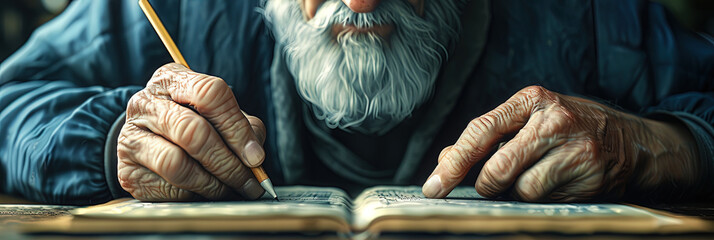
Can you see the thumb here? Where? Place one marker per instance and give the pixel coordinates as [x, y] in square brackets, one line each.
[258, 127]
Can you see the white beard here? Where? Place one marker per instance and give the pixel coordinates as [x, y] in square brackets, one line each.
[361, 81]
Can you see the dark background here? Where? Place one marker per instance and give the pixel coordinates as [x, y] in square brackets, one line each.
[18, 18]
[697, 15]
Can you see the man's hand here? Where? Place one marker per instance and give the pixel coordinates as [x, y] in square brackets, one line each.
[168, 151]
[566, 149]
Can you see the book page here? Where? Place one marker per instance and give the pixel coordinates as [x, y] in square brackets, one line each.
[388, 201]
[293, 201]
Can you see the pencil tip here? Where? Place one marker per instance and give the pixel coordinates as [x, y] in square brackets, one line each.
[268, 186]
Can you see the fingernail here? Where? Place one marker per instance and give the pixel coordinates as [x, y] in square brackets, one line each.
[253, 153]
[432, 187]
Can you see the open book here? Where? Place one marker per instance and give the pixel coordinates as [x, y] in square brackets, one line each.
[377, 209]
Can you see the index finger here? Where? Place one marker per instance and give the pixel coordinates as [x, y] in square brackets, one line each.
[212, 98]
[479, 138]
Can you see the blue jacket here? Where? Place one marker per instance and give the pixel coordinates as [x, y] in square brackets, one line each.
[63, 90]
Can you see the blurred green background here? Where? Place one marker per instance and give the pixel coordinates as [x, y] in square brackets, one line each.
[18, 18]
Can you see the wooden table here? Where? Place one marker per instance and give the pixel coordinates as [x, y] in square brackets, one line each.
[15, 212]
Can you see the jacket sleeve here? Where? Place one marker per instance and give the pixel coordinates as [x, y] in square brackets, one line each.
[696, 111]
[61, 93]
[649, 63]
[682, 67]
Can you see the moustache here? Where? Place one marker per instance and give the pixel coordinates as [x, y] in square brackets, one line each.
[390, 12]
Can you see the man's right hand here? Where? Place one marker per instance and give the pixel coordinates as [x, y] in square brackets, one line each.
[168, 151]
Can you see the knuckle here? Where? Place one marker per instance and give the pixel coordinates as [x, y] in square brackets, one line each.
[180, 175]
[209, 89]
[239, 132]
[161, 71]
[472, 155]
[454, 168]
[169, 160]
[497, 172]
[165, 68]
[459, 166]
[242, 126]
[150, 189]
[161, 74]
[124, 151]
[486, 184]
[134, 100]
[530, 188]
[126, 173]
[536, 92]
[214, 189]
[221, 164]
[147, 186]
[138, 181]
[187, 129]
[136, 103]
[169, 117]
[502, 162]
[166, 191]
[475, 129]
[126, 143]
[129, 135]
[481, 124]
[537, 96]
[509, 108]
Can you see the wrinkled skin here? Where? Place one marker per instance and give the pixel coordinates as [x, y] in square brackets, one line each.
[185, 138]
[566, 149]
[168, 151]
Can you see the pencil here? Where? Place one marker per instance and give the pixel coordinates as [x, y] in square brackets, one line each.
[259, 172]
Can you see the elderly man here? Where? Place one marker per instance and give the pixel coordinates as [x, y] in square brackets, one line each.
[609, 99]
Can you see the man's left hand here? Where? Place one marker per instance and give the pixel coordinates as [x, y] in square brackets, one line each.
[566, 149]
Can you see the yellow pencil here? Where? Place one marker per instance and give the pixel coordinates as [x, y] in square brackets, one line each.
[259, 172]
